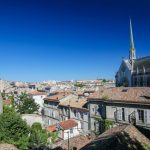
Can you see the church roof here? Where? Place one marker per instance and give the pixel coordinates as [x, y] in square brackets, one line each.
[128, 64]
[142, 63]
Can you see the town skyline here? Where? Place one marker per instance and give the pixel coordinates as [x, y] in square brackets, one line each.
[65, 40]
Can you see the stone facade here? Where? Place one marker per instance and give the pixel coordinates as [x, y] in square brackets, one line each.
[80, 115]
[129, 105]
[51, 110]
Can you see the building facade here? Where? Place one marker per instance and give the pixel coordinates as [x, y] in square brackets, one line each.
[39, 99]
[51, 107]
[122, 106]
[76, 109]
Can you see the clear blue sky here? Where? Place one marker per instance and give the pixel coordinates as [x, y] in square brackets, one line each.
[69, 39]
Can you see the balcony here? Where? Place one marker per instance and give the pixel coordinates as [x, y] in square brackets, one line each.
[131, 119]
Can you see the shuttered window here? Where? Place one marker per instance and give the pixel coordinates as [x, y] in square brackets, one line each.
[119, 114]
[126, 115]
[145, 116]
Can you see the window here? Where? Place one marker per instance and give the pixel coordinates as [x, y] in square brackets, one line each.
[75, 113]
[141, 115]
[123, 114]
[82, 125]
[54, 114]
[93, 109]
[81, 115]
[119, 114]
[71, 131]
[49, 122]
[126, 114]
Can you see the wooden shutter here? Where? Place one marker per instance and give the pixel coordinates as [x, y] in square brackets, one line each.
[145, 116]
[126, 114]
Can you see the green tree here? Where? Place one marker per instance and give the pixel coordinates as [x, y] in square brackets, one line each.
[104, 80]
[11, 97]
[25, 104]
[13, 129]
[3, 94]
[81, 85]
[38, 137]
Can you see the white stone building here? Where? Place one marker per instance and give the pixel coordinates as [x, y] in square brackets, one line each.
[38, 98]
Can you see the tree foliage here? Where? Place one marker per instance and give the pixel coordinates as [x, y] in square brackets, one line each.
[25, 104]
[81, 85]
[13, 129]
[38, 137]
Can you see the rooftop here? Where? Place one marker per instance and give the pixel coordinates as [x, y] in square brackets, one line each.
[68, 124]
[57, 97]
[74, 102]
[37, 93]
[78, 141]
[123, 94]
[51, 128]
[120, 137]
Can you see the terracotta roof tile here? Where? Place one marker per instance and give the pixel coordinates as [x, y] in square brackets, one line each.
[68, 124]
[74, 102]
[51, 128]
[37, 93]
[124, 137]
[78, 142]
[123, 94]
[57, 97]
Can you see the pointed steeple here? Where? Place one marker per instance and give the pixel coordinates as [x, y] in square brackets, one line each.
[132, 55]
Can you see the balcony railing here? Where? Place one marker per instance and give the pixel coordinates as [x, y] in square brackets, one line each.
[132, 119]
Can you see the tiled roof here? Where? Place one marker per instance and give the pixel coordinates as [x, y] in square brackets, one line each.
[77, 141]
[121, 94]
[57, 97]
[68, 124]
[142, 62]
[37, 93]
[51, 128]
[74, 102]
[120, 137]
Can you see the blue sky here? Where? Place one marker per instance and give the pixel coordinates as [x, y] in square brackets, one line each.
[69, 39]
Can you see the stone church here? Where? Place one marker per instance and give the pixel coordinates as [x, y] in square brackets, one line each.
[133, 72]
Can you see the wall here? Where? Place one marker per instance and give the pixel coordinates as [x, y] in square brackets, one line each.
[32, 118]
[81, 116]
[76, 131]
[108, 110]
[39, 100]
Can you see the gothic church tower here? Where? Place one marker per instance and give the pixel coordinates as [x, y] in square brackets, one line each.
[132, 55]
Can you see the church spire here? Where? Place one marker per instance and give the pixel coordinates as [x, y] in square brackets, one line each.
[132, 55]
